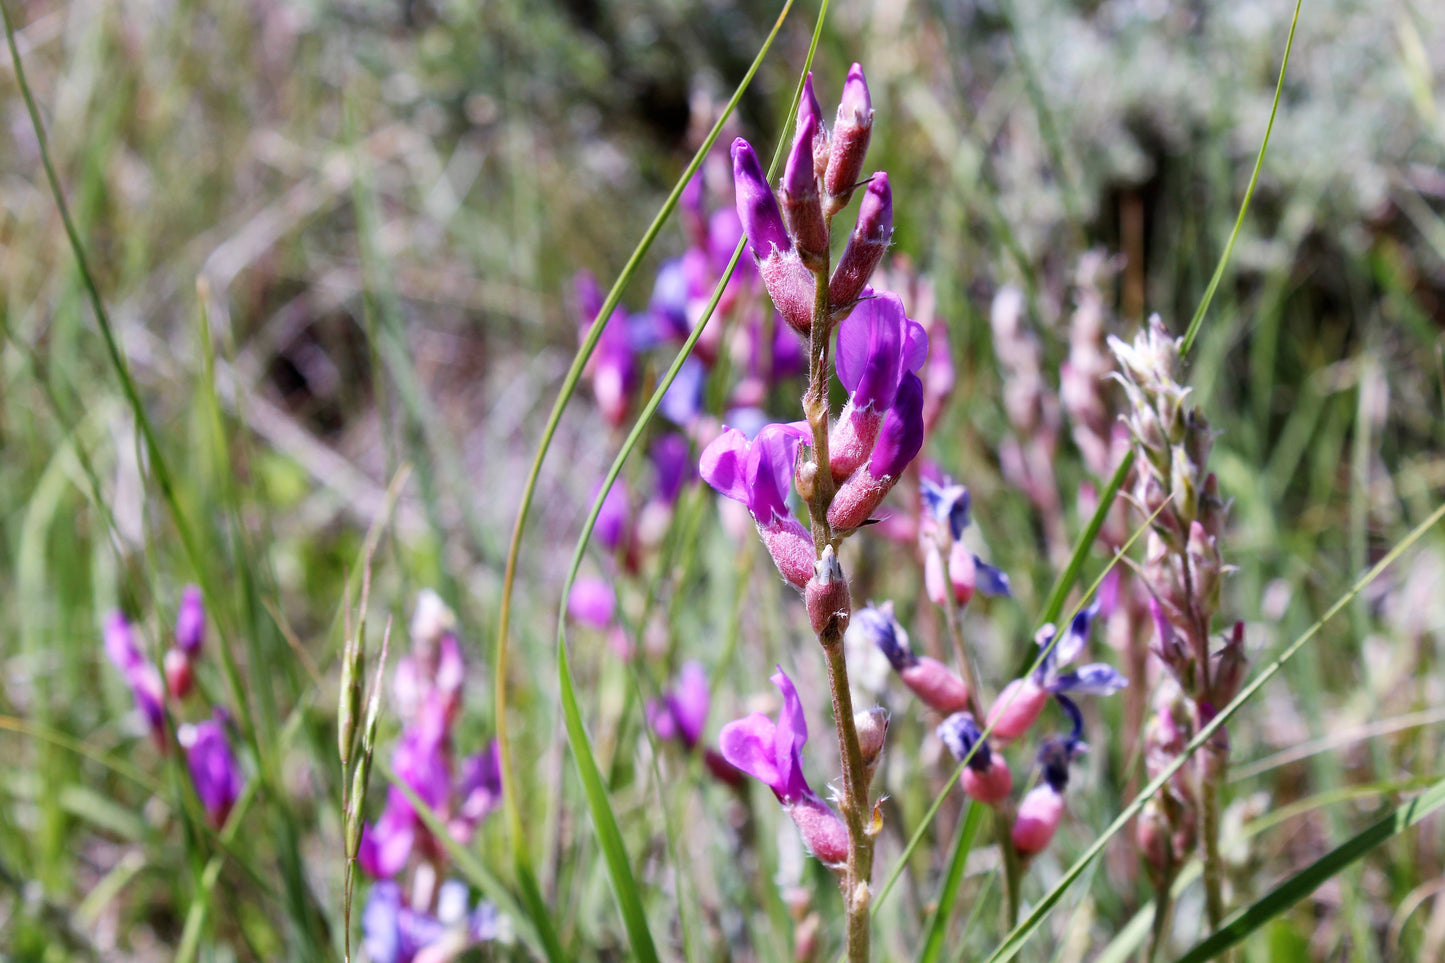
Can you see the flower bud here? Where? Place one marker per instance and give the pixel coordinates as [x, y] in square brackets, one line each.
[1229, 668]
[1153, 835]
[823, 831]
[1038, 819]
[936, 685]
[1016, 709]
[872, 727]
[991, 784]
[827, 597]
[849, 144]
[757, 207]
[791, 547]
[866, 244]
[810, 117]
[791, 286]
[802, 208]
[179, 678]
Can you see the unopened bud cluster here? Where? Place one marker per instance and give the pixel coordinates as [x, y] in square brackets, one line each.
[1183, 570]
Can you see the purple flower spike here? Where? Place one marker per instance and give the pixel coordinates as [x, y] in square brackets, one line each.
[191, 622]
[592, 602]
[772, 752]
[757, 207]
[866, 244]
[479, 791]
[849, 143]
[214, 771]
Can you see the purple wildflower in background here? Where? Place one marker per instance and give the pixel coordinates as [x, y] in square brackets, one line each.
[613, 365]
[592, 602]
[682, 711]
[672, 461]
[934, 683]
[772, 753]
[1021, 701]
[214, 771]
[950, 569]
[393, 932]
[191, 622]
[144, 680]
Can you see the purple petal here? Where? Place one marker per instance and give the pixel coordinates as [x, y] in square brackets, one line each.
[1093, 679]
[480, 787]
[749, 744]
[949, 504]
[915, 346]
[213, 768]
[757, 207]
[386, 844]
[989, 580]
[881, 629]
[380, 923]
[901, 437]
[724, 462]
[790, 737]
[1077, 636]
[589, 298]
[592, 602]
[769, 472]
[420, 760]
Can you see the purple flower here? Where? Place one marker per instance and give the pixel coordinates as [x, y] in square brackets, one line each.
[866, 244]
[191, 622]
[879, 626]
[946, 515]
[1021, 701]
[145, 681]
[947, 504]
[386, 844]
[214, 772]
[772, 752]
[757, 473]
[120, 644]
[613, 517]
[682, 711]
[682, 402]
[901, 437]
[479, 791]
[849, 145]
[877, 344]
[668, 305]
[592, 602]
[671, 458]
[393, 932]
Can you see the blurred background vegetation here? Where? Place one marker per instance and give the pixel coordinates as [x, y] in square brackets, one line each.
[378, 208]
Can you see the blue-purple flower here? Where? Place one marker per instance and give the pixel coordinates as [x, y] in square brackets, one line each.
[1021, 701]
[393, 932]
[950, 570]
[878, 344]
[140, 674]
[682, 711]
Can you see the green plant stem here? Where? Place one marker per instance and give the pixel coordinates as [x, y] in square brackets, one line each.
[1163, 907]
[1214, 763]
[1013, 870]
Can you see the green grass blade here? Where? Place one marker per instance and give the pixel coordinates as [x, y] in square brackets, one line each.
[1300, 885]
[1194, 323]
[1020, 934]
[938, 926]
